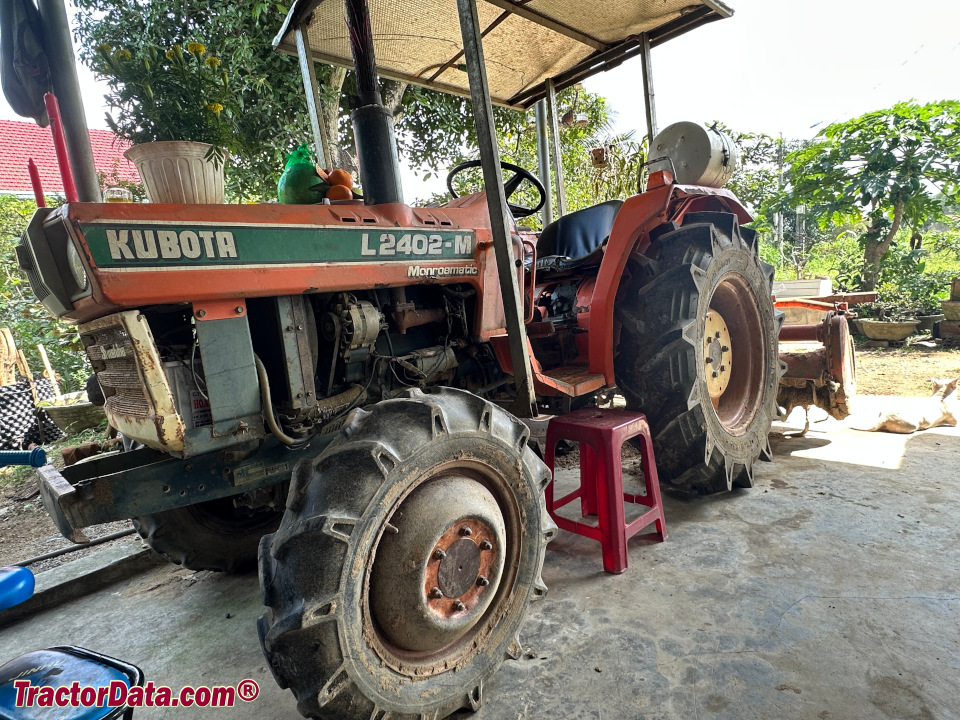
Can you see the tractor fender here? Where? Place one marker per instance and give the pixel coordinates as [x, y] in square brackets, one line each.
[664, 201]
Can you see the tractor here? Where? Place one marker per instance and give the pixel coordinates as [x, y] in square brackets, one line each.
[351, 395]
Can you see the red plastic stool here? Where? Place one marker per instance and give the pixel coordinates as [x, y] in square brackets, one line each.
[601, 434]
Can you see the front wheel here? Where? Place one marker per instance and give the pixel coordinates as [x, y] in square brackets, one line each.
[403, 568]
[698, 352]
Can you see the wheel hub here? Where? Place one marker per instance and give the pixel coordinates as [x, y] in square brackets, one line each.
[717, 354]
[438, 564]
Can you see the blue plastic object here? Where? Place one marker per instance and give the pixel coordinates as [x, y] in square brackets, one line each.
[34, 458]
[16, 585]
[60, 667]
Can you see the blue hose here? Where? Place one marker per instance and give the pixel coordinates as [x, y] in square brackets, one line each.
[34, 458]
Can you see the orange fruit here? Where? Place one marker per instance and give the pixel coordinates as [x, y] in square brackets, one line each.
[339, 192]
[340, 177]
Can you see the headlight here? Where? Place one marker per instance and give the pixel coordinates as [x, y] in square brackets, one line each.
[76, 267]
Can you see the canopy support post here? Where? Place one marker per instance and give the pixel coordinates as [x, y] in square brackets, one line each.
[543, 160]
[524, 405]
[63, 72]
[312, 91]
[556, 156]
[650, 106]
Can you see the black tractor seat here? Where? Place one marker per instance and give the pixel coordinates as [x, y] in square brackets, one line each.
[580, 233]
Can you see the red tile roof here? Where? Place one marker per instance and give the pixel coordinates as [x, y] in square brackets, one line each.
[22, 140]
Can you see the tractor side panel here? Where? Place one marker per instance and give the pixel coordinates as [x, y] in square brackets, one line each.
[138, 255]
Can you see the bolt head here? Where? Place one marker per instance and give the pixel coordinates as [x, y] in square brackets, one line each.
[466, 531]
[717, 334]
[439, 554]
[482, 581]
[723, 368]
[486, 545]
[724, 348]
[201, 312]
[459, 606]
[435, 593]
[708, 360]
[716, 374]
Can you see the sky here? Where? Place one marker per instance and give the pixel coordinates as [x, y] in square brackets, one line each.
[774, 67]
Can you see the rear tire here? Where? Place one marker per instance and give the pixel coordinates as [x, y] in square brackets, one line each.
[366, 619]
[208, 536]
[710, 401]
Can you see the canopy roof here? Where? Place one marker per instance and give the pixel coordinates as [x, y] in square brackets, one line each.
[525, 42]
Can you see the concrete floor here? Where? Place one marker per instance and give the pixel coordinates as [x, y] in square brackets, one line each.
[829, 591]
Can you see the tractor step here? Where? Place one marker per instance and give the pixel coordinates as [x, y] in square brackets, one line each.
[572, 380]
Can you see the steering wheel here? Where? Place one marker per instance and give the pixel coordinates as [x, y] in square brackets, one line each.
[509, 186]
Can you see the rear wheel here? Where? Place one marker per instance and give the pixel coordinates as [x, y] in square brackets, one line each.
[698, 352]
[405, 563]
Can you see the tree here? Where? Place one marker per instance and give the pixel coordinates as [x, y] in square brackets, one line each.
[27, 319]
[434, 130]
[888, 170]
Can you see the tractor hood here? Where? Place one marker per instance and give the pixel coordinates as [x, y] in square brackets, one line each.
[525, 43]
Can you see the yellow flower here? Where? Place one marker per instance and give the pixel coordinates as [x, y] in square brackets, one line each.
[215, 108]
[196, 48]
[212, 62]
[124, 54]
[169, 54]
[105, 48]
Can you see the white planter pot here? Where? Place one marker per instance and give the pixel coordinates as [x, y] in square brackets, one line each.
[176, 172]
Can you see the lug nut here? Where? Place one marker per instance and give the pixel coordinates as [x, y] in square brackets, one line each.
[717, 334]
[482, 581]
[716, 374]
[439, 554]
[435, 593]
[459, 606]
[486, 545]
[723, 368]
[466, 531]
[708, 360]
[724, 348]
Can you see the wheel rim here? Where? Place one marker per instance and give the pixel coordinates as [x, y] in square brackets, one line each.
[734, 349]
[441, 567]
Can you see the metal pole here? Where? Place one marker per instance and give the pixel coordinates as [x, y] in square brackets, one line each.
[650, 105]
[543, 159]
[312, 90]
[525, 403]
[66, 86]
[557, 157]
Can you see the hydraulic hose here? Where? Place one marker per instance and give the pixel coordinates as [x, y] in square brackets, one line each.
[325, 406]
[267, 403]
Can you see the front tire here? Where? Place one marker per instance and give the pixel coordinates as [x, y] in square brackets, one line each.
[698, 352]
[405, 563]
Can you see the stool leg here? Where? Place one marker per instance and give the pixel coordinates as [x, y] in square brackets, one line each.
[589, 472]
[609, 481]
[652, 481]
[549, 459]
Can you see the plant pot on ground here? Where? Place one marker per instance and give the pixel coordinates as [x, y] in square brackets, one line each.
[926, 321]
[888, 329]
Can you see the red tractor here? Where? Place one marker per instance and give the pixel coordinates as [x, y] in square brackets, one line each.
[359, 383]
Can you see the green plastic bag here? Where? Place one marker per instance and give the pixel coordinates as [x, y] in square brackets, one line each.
[300, 184]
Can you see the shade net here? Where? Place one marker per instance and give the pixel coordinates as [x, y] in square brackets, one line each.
[419, 41]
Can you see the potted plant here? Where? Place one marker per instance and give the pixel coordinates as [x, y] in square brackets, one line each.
[884, 320]
[178, 108]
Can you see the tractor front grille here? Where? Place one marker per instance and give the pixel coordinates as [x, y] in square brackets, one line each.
[139, 399]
